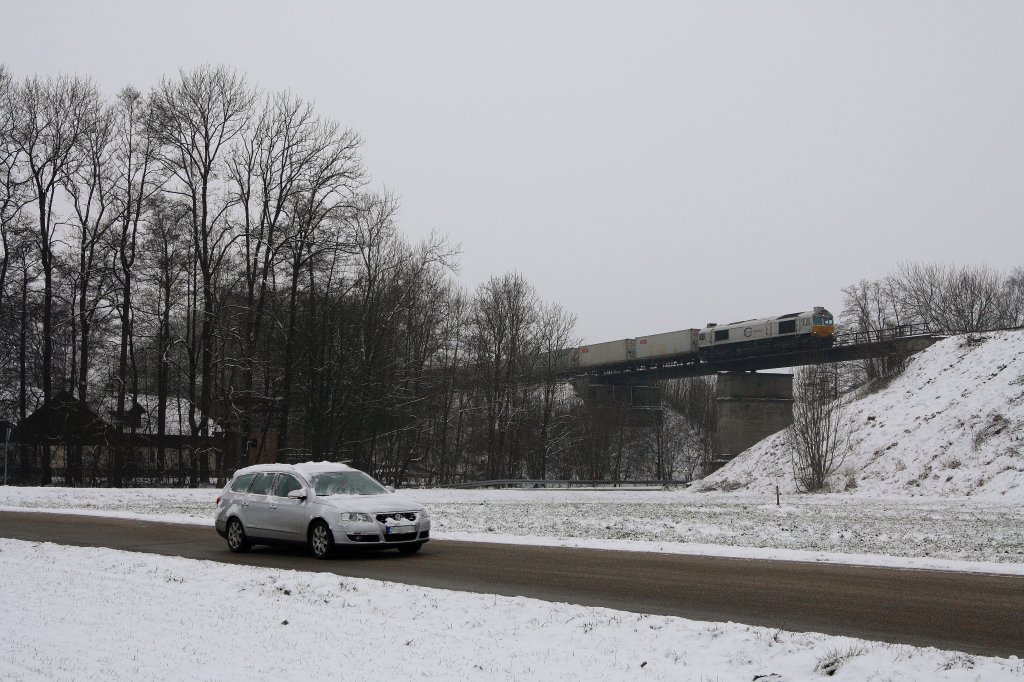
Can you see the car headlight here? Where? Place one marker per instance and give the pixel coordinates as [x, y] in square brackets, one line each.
[424, 515]
[356, 516]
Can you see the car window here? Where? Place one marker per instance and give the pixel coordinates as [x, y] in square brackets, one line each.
[346, 483]
[241, 484]
[261, 486]
[285, 484]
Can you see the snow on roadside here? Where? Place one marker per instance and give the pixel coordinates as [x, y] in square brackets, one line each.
[951, 424]
[83, 613]
[176, 505]
[916, 532]
[941, 533]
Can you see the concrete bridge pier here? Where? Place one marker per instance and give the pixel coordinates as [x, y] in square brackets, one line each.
[751, 406]
[622, 401]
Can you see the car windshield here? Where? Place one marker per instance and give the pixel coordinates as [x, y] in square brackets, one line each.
[346, 483]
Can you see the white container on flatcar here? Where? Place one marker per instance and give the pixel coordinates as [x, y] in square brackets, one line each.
[683, 342]
[608, 353]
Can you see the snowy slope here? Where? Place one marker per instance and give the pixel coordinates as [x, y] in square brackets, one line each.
[952, 424]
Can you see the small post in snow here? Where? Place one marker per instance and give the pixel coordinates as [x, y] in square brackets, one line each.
[778, 498]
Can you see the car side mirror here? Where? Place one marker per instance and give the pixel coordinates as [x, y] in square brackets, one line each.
[390, 488]
[297, 494]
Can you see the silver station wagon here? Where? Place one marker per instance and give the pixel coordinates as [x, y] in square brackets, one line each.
[320, 504]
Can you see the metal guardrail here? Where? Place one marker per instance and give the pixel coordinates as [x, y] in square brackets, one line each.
[564, 483]
[880, 335]
[844, 338]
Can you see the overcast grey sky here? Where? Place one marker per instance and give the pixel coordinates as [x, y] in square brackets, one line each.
[649, 165]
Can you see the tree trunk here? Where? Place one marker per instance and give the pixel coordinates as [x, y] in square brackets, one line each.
[289, 357]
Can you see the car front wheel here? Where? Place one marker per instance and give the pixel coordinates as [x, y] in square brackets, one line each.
[321, 540]
[237, 542]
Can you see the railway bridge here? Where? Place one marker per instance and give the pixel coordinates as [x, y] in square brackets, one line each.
[751, 405]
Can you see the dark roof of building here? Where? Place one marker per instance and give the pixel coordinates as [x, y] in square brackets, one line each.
[63, 418]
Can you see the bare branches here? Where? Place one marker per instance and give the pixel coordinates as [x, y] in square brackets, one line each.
[819, 438]
[13, 178]
[695, 401]
[51, 117]
[196, 118]
[944, 299]
[955, 300]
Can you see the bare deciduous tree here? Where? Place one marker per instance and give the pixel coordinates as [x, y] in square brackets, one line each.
[503, 343]
[874, 307]
[88, 184]
[12, 179]
[955, 300]
[554, 343]
[696, 401]
[267, 169]
[1014, 297]
[164, 270]
[50, 119]
[944, 299]
[320, 210]
[135, 181]
[197, 117]
[819, 438]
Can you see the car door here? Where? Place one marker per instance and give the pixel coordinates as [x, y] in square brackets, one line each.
[288, 517]
[256, 516]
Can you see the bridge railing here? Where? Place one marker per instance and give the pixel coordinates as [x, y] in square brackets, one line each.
[848, 338]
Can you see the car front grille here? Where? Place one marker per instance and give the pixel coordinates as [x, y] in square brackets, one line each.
[408, 516]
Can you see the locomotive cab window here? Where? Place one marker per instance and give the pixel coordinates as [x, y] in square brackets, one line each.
[722, 335]
[787, 327]
[823, 319]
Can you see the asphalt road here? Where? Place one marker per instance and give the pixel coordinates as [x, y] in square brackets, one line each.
[977, 613]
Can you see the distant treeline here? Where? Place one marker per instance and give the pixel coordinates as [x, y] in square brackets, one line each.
[209, 241]
[211, 245]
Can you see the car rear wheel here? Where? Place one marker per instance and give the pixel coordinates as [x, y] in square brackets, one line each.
[321, 540]
[237, 541]
[411, 548]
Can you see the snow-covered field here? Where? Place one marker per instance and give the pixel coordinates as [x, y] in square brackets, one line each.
[96, 614]
[950, 533]
[936, 532]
